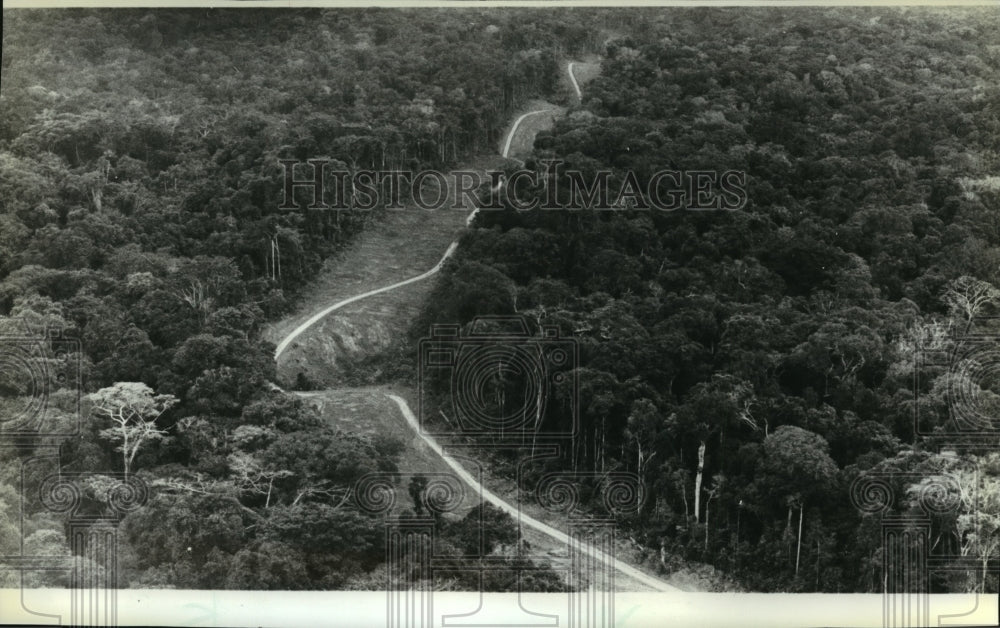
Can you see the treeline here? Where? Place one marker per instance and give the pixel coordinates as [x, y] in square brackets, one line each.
[139, 187]
[750, 365]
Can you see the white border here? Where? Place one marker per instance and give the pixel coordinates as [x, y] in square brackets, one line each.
[363, 609]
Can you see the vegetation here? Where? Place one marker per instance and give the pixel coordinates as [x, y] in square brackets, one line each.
[750, 365]
[139, 190]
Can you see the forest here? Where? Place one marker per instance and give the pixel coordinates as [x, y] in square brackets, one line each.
[140, 181]
[749, 365]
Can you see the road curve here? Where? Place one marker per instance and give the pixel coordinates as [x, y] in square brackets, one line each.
[466, 477]
[513, 129]
[572, 78]
[315, 318]
[517, 123]
[516, 513]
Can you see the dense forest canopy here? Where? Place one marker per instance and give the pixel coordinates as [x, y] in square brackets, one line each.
[749, 365]
[139, 195]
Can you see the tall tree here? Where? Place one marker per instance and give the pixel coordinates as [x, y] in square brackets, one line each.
[800, 463]
[132, 408]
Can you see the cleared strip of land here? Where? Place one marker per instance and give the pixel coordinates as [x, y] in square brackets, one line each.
[372, 269]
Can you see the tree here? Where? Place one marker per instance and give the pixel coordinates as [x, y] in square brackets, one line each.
[980, 526]
[132, 408]
[967, 296]
[186, 539]
[336, 543]
[485, 529]
[718, 482]
[325, 463]
[973, 487]
[468, 289]
[644, 423]
[798, 459]
[250, 475]
[708, 410]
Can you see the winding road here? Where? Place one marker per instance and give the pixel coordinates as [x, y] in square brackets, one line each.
[517, 513]
[572, 78]
[461, 472]
[318, 316]
[517, 123]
